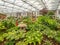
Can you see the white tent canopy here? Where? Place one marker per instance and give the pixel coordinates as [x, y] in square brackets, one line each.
[8, 6]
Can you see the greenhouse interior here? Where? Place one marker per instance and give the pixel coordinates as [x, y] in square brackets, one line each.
[29, 22]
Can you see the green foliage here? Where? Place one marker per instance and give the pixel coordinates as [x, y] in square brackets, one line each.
[57, 37]
[10, 43]
[47, 43]
[21, 43]
[14, 28]
[27, 20]
[44, 25]
[1, 26]
[14, 34]
[1, 38]
[46, 20]
[33, 37]
[9, 23]
[50, 13]
[50, 33]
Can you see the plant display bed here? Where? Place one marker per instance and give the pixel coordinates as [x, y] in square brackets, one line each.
[43, 31]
